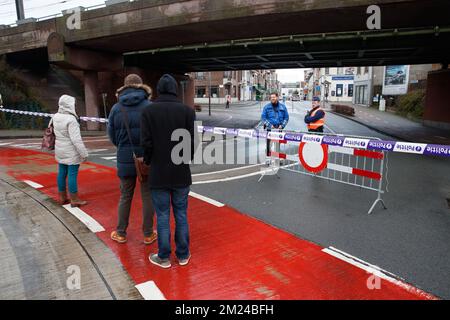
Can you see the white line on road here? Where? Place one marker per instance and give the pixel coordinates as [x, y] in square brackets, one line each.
[227, 170]
[5, 144]
[228, 179]
[329, 128]
[33, 184]
[206, 199]
[25, 146]
[109, 158]
[375, 270]
[150, 291]
[86, 219]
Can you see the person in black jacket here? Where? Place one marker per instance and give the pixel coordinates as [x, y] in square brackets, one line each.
[170, 180]
[133, 99]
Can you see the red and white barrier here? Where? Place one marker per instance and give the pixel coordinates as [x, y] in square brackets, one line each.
[326, 161]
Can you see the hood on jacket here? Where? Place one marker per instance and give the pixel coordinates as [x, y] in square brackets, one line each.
[144, 87]
[67, 105]
[167, 85]
[132, 96]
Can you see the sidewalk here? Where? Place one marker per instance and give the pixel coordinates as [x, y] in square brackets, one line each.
[234, 256]
[40, 241]
[396, 126]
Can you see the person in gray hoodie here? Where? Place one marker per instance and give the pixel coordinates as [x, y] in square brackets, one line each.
[70, 150]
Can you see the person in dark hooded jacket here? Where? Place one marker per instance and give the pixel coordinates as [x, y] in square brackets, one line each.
[170, 179]
[133, 100]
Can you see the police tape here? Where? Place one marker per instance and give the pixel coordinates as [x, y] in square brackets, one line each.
[341, 141]
[49, 115]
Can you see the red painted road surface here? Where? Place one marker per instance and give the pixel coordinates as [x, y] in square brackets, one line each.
[233, 255]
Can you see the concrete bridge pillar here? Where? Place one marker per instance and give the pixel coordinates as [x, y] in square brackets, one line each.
[189, 92]
[437, 108]
[91, 97]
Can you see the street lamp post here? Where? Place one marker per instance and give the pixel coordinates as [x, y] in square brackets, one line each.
[20, 10]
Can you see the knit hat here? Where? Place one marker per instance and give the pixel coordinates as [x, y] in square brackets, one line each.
[133, 79]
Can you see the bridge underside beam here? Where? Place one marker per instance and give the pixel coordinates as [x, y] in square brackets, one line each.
[356, 49]
[77, 58]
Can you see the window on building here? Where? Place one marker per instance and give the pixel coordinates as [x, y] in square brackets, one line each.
[327, 71]
[200, 75]
[227, 74]
[366, 70]
[350, 90]
[214, 91]
[200, 92]
[339, 90]
[339, 70]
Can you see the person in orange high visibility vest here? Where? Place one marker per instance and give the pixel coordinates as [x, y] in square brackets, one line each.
[315, 118]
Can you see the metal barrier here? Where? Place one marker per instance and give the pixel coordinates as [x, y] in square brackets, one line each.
[343, 164]
[273, 154]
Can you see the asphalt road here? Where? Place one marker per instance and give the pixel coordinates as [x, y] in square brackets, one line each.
[410, 239]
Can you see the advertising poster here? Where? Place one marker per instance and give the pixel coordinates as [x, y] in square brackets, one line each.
[395, 80]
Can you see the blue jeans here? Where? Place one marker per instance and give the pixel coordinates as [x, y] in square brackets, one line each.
[70, 171]
[162, 199]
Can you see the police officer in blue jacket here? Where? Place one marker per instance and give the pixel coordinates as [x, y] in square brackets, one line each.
[275, 114]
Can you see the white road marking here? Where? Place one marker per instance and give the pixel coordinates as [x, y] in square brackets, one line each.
[5, 144]
[150, 291]
[86, 219]
[33, 184]
[375, 270]
[206, 199]
[329, 128]
[23, 146]
[228, 179]
[109, 158]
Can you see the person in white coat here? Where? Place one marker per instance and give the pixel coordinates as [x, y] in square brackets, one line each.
[70, 150]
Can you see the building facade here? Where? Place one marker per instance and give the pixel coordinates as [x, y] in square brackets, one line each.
[247, 85]
[330, 84]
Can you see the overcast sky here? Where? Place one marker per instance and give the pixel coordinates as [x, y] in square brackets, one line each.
[290, 75]
[40, 8]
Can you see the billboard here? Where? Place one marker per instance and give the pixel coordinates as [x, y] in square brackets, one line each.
[395, 80]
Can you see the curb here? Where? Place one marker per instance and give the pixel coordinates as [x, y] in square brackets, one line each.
[114, 279]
